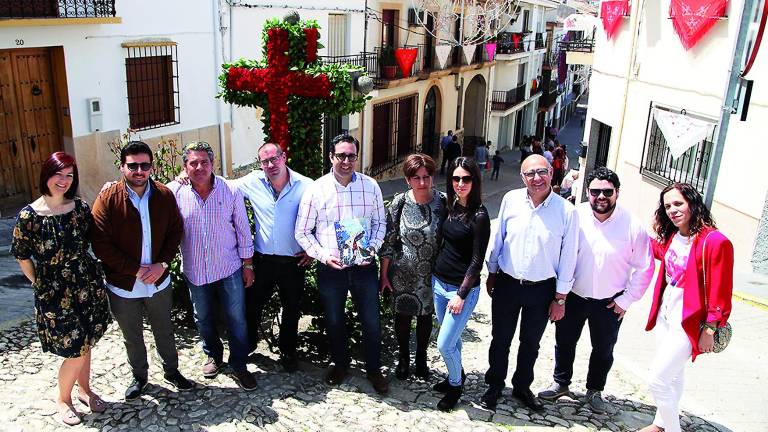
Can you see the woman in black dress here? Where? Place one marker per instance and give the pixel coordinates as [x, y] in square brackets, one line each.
[50, 242]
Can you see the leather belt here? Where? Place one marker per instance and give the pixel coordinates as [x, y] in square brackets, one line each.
[281, 259]
[525, 282]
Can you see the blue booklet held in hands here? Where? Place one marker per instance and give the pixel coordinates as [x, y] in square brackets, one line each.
[352, 239]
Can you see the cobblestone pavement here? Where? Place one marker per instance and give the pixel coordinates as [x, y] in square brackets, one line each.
[302, 401]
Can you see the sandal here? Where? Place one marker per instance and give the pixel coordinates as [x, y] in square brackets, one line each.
[69, 416]
[95, 403]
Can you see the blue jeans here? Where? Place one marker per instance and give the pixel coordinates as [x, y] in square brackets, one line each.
[363, 283]
[452, 325]
[232, 297]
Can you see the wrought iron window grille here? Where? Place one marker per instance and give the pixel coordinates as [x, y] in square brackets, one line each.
[152, 80]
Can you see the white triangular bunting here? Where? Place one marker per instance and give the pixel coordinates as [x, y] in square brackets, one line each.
[469, 52]
[680, 131]
[443, 52]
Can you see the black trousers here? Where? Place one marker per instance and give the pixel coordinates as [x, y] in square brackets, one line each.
[283, 272]
[603, 331]
[510, 301]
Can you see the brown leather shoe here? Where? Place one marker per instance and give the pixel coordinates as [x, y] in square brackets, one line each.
[378, 382]
[335, 375]
[245, 380]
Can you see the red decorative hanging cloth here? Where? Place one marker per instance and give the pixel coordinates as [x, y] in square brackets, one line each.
[692, 19]
[612, 13]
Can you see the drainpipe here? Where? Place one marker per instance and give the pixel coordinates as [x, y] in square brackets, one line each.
[730, 102]
[363, 141]
[217, 44]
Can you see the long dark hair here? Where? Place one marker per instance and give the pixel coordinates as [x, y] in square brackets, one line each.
[474, 200]
[700, 215]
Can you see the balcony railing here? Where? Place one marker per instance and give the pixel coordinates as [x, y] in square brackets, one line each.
[368, 60]
[15, 9]
[503, 100]
[512, 43]
[586, 45]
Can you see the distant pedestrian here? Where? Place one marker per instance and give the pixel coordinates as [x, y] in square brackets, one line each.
[558, 166]
[536, 147]
[548, 153]
[497, 161]
[692, 296]
[444, 143]
[481, 157]
[452, 151]
[71, 308]
[525, 147]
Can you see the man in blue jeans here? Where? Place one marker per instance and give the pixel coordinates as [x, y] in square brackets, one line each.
[216, 251]
[339, 199]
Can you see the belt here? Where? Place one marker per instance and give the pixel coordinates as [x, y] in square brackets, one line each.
[526, 282]
[283, 259]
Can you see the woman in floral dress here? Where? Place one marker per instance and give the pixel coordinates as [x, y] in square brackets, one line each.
[408, 256]
[50, 242]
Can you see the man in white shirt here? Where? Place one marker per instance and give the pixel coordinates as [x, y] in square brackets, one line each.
[613, 269]
[339, 199]
[530, 271]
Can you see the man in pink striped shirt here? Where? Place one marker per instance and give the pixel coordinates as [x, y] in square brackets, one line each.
[216, 255]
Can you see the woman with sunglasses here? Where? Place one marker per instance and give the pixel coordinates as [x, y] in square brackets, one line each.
[692, 297]
[50, 243]
[414, 219]
[456, 281]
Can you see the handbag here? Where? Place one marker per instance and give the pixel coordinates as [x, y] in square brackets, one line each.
[724, 333]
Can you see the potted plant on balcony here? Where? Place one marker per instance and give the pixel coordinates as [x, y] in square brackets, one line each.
[388, 62]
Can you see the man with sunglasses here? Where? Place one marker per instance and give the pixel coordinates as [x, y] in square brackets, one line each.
[335, 200]
[613, 269]
[136, 234]
[275, 192]
[530, 271]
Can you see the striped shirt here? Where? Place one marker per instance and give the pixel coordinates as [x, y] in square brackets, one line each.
[217, 236]
[326, 201]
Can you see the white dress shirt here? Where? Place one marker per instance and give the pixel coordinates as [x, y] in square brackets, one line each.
[326, 202]
[536, 243]
[614, 256]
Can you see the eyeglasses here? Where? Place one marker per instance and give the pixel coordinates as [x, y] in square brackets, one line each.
[273, 160]
[465, 179]
[342, 156]
[532, 173]
[606, 192]
[135, 166]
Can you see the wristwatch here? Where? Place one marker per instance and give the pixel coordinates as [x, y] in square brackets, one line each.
[559, 301]
[710, 331]
[248, 266]
[165, 265]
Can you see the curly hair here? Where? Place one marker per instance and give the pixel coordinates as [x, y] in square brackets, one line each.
[700, 215]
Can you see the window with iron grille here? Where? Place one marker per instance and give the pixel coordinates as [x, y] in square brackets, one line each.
[658, 164]
[394, 132]
[57, 8]
[152, 79]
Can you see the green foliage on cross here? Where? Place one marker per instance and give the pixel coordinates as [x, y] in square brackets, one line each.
[304, 114]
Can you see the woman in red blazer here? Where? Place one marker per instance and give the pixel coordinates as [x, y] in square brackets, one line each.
[689, 247]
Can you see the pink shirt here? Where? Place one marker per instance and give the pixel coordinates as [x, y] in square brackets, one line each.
[217, 236]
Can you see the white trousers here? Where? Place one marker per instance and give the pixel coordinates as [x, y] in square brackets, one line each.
[672, 354]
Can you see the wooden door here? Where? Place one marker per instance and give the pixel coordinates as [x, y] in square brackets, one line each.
[29, 129]
[14, 184]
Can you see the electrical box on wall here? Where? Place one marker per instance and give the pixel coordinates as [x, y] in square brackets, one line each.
[94, 113]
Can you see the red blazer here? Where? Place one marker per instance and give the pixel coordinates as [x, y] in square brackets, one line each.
[718, 259]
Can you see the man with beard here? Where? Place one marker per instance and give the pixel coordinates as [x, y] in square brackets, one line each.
[530, 272]
[613, 269]
[137, 232]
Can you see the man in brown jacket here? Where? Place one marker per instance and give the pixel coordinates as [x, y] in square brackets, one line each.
[137, 234]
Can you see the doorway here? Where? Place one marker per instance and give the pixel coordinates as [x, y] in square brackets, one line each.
[430, 131]
[30, 122]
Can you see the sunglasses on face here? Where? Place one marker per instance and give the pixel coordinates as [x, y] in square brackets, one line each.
[465, 179]
[606, 192]
[135, 166]
[532, 173]
[342, 156]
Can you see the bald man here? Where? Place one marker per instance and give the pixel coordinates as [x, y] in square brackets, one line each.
[531, 265]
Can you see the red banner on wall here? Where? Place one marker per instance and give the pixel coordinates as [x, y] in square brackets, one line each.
[692, 19]
[611, 13]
